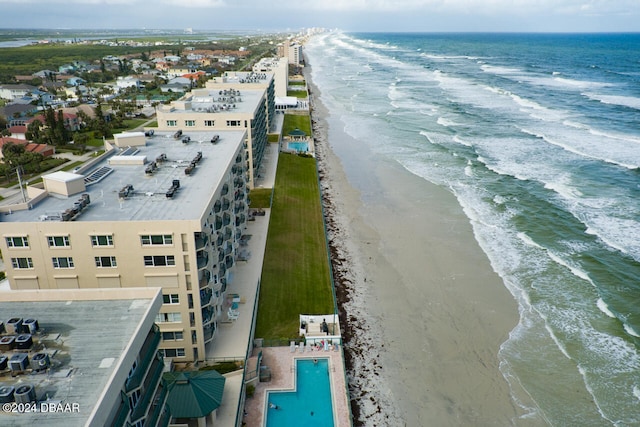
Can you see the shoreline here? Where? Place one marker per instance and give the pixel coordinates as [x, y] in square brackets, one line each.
[421, 336]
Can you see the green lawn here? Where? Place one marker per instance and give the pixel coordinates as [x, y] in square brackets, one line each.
[295, 276]
[300, 121]
[297, 82]
[260, 198]
[273, 137]
[297, 93]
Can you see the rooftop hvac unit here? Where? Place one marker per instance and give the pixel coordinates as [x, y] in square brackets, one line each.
[67, 215]
[30, 326]
[19, 362]
[24, 341]
[25, 394]
[6, 394]
[40, 362]
[7, 343]
[86, 198]
[13, 325]
[3, 362]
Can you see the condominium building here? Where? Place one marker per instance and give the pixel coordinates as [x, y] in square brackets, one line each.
[292, 50]
[164, 210]
[82, 357]
[237, 100]
[280, 69]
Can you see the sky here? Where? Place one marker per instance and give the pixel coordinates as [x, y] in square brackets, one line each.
[347, 15]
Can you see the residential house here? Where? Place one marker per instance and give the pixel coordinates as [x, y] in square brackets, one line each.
[15, 91]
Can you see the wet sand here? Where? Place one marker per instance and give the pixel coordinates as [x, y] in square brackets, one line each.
[423, 312]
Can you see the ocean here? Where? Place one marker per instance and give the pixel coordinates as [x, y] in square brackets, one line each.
[538, 138]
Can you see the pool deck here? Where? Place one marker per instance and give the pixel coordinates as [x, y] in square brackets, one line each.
[281, 361]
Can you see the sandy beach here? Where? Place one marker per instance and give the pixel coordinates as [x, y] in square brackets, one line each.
[423, 312]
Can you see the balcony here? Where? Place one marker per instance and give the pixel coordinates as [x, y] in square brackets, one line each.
[209, 332]
[229, 261]
[226, 219]
[241, 219]
[157, 406]
[205, 296]
[148, 351]
[203, 259]
[207, 315]
[225, 190]
[123, 412]
[239, 207]
[201, 240]
[217, 206]
[152, 379]
[225, 204]
[227, 233]
[217, 223]
[204, 276]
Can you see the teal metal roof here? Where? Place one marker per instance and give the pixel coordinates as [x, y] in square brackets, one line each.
[194, 394]
[297, 132]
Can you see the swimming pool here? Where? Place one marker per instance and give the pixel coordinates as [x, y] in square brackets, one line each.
[310, 403]
[298, 146]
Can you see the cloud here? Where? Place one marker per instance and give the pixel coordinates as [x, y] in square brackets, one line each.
[513, 7]
[181, 3]
[196, 3]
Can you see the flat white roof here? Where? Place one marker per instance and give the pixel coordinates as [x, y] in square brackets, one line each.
[62, 176]
[148, 199]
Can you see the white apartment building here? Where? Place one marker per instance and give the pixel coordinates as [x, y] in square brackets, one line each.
[236, 101]
[164, 210]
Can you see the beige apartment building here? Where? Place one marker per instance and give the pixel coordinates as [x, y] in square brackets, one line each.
[236, 101]
[164, 210]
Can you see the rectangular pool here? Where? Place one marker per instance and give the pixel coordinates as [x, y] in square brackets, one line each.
[298, 146]
[310, 402]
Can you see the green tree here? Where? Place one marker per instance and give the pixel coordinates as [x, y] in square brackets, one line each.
[35, 132]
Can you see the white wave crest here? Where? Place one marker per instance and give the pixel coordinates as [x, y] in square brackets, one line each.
[605, 308]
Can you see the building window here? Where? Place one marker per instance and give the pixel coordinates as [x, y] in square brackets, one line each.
[189, 123]
[171, 299]
[58, 241]
[102, 240]
[171, 123]
[19, 263]
[172, 352]
[133, 369]
[134, 398]
[234, 123]
[62, 262]
[209, 123]
[159, 260]
[168, 317]
[18, 242]
[106, 261]
[172, 336]
[156, 239]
